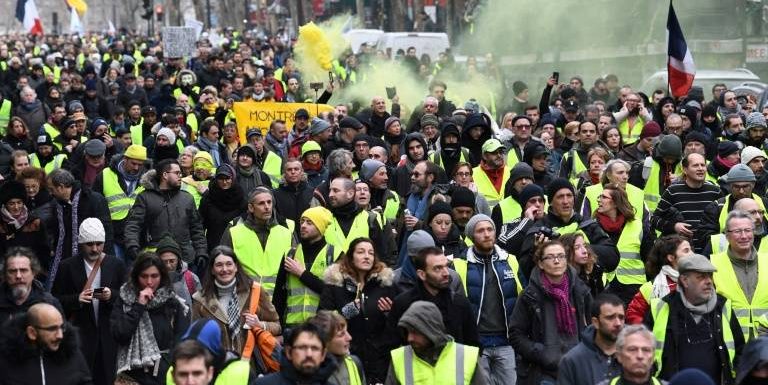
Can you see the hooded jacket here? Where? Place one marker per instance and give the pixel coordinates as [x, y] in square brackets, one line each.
[475, 146]
[450, 154]
[401, 180]
[288, 375]
[156, 212]
[586, 363]
[22, 362]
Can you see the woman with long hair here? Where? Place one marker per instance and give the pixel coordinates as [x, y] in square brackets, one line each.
[662, 265]
[584, 261]
[597, 157]
[17, 135]
[612, 138]
[361, 288]
[632, 236]
[616, 171]
[147, 320]
[549, 315]
[225, 298]
[337, 343]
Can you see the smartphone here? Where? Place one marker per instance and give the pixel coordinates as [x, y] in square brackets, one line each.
[98, 290]
[556, 76]
[391, 92]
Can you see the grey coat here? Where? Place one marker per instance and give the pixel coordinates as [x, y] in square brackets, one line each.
[156, 212]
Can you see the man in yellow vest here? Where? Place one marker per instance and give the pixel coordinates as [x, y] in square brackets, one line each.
[374, 173]
[119, 183]
[694, 326]
[742, 272]
[741, 183]
[522, 128]
[258, 240]
[510, 208]
[432, 356]
[5, 113]
[492, 174]
[300, 280]
[575, 161]
[46, 157]
[351, 221]
[719, 242]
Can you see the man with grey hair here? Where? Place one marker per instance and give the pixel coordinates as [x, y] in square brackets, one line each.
[738, 272]
[31, 110]
[19, 290]
[634, 351]
[696, 327]
[340, 164]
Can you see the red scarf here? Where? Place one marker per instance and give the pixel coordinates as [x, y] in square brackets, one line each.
[495, 175]
[612, 226]
[595, 179]
[725, 162]
[311, 167]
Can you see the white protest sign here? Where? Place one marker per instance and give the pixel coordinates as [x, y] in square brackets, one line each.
[179, 41]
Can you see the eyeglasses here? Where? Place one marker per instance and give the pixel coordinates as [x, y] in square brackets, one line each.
[463, 173]
[553, 257]
[52, 328]
[740, 231]
[741, 186]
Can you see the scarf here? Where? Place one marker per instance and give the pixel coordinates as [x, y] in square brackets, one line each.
[212, 148]
[564, 312]
[130, 180]
[17, 221]
[725, 162]
[312, 167]
[62, 235]
[495, 175]
[233, 307]
[612, 226]
[660, 284]
[143, 351]
[697, 311]
[226, 200]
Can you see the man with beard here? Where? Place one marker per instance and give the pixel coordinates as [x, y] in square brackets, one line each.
[86, 287]
[374, 173]
[728, 105]
[423, 179]
[40, 348]
[434, 285]
[492, 174]
[119, 183]
[350, 221]
[131, 91]
[450, 150]
[264, 159]
[19, 288]
[575, 161]
[593, 359]
[415, 151]
[755, 131]
[306, 360]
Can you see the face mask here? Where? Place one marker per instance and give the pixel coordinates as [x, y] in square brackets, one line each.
[186, 80]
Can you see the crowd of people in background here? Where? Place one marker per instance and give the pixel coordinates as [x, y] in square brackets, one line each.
[601, 235]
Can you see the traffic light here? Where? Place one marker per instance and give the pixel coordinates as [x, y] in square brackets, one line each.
[159, 12]
[147, 5]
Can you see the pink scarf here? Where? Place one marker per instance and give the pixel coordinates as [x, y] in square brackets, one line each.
[564, 312]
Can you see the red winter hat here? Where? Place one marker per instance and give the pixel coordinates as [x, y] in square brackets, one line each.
[650, 130]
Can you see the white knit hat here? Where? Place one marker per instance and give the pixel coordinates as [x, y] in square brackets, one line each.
[749, 153]
[168, 133]
[91, 230]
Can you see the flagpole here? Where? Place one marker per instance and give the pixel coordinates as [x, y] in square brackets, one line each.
[669, 87]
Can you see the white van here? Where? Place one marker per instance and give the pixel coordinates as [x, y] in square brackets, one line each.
[358, 37]
[430, 43]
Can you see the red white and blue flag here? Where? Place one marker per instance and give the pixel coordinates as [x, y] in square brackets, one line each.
[26, 13]
[680, 67]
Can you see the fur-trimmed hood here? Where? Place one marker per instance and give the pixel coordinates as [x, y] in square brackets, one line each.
[334, 276]
[148, 180]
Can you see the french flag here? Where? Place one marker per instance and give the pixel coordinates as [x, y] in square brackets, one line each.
[26, 13]
[680, 67]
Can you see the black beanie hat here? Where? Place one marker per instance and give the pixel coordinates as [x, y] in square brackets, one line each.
[462, 197]
[726, 148]
[436, 208]
[530, 191]
[557, 185]
[167, 243]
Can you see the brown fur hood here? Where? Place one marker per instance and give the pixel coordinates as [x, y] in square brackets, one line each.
[334, 276]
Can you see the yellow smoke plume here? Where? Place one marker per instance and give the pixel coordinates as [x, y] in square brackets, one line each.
[318, 45]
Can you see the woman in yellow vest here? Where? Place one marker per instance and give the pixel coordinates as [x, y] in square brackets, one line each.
[337, 342]
[225, 298]
[361, 288]
[632, 236]
[197, 183]
[597, 157]
[662, 265]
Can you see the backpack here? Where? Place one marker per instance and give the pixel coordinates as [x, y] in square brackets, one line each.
[190, 281]
[269, 350]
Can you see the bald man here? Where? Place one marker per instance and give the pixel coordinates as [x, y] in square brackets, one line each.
[40, 342]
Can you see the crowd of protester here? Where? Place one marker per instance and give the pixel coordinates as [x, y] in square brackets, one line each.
[600, 235]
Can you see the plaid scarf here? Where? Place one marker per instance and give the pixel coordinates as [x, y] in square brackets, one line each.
[62, 235]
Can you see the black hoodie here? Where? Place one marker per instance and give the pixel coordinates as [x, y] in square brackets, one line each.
[401, 180]
[450, 154]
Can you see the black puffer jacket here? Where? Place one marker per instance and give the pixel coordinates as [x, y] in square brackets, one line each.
[368, 341]
[21, 361]
[9, 308]
[288, 375]
[533, 329]
[156, 212]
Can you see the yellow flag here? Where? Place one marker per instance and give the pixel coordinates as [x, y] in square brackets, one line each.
[79, 5]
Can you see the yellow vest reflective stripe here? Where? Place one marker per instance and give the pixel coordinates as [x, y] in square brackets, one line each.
[651, 192]
[334, 235]
[486, 187]
[660, 314]
[615, 381]
[455, 365]
[118, 202]
[302, 302]
[636, 129]
[724, 209]
[510, 209]
[272, 167]
[646, 290]
[261, 262]
[352, 372]
[391, 206]
[54, 164]
[137, 133]
[634, 194]
[5, 117]
[577, 166]
[727, 284]
[631, 270]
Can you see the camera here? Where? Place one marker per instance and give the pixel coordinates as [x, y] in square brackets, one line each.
[547, 232]
[316, 85]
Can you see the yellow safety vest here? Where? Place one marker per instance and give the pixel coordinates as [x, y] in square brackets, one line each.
[724, 209]
[719, 243]
[56, 73]
[118, 201]
[272, 167]
[460, 267]
[54, 164]
[660, 314]
[302, 302]
[334, 235]
[631, 270]
[51, 130]
[192, 190]
[437, 159]
[727, 284]
[636, 129]
[5, 116]
[137, 133]
[634, 194]
[615, 381]
[577, 166]
[486, 187]
[192, 123]
[352, 372]
[261, 262]
[391, 207]
[646, 290]
[455, 365]
[510, 209]
[651, 193]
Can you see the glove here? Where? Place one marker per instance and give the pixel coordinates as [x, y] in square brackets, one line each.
[200, 263]
[350, 310]
[132, 253]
